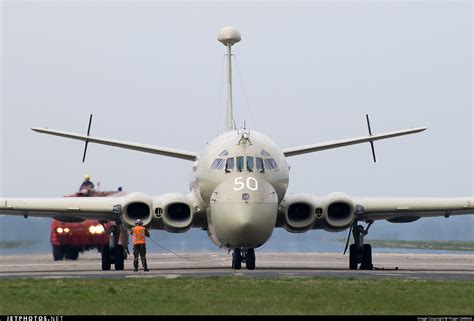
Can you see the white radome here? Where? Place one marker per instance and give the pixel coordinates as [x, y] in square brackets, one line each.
[229, 35]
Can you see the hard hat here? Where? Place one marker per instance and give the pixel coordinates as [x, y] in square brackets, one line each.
[87, 177]
[138, 222]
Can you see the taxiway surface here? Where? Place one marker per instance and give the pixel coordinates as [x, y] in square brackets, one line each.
[392, 265]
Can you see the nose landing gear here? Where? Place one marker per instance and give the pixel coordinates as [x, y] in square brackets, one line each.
[250, 259]
[237, 259]
[246, 256]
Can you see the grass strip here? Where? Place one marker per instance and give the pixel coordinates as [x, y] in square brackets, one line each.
[236, 296]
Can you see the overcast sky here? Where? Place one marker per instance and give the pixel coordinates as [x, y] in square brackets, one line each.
[152, 72]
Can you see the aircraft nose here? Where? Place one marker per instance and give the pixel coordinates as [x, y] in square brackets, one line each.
[243, 212]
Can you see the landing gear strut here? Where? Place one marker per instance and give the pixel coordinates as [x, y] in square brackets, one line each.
[113, 252]
[246, 256]
[360, 252]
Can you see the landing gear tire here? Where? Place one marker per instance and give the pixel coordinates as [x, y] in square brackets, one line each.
[353, 257]
[105, 253]
[367, 258]
[58, 252]
[119, 258]
[237, 259]
[72, 253]
[250, 260]
[360, 252]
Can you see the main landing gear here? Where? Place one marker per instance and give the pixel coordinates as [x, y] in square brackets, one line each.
[360, 252]
[246, 256]
[113, 253]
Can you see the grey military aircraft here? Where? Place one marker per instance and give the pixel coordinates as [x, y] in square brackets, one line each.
[238, 193]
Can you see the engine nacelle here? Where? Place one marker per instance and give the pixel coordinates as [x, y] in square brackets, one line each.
[176, 212]
[303, 212]
[137, 206]
[300, 212]
[340, 211]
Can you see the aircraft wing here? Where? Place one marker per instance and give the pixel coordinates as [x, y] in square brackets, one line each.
[400, 210]
[67, 208]
[165, 151]
[346, 142]
[173, 212]
[337, 211]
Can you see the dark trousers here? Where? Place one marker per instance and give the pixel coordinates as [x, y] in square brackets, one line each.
[139, 249]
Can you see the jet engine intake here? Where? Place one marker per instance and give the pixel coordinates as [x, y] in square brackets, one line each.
[137, 206]
[340, 211]
[300, 213]
[177, 212]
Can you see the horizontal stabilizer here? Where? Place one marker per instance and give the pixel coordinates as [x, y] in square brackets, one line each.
[170, 152]
[346, 142]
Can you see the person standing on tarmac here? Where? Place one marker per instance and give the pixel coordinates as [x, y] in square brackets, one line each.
[139, 233]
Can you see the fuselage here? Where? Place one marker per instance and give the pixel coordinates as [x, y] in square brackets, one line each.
[241, 177]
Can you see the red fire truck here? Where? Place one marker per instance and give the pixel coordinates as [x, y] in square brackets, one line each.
[68, 239]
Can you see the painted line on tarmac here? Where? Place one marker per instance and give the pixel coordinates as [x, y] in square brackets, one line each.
[388, 274]
[54, 277]
[166, 276]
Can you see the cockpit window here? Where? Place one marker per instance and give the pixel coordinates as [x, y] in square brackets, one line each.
[229, 165]
[266, 166]
[250, 163]
[224, 153]
[271, 163]
[245, 163]
[259, 164]
[265, 154]
[240, 164]
[217, 163]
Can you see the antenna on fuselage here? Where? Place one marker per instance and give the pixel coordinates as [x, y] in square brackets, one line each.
[229, 36]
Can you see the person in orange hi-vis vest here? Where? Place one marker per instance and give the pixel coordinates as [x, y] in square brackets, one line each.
[139, 233]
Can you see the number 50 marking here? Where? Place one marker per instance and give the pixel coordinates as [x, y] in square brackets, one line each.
[251, 183]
